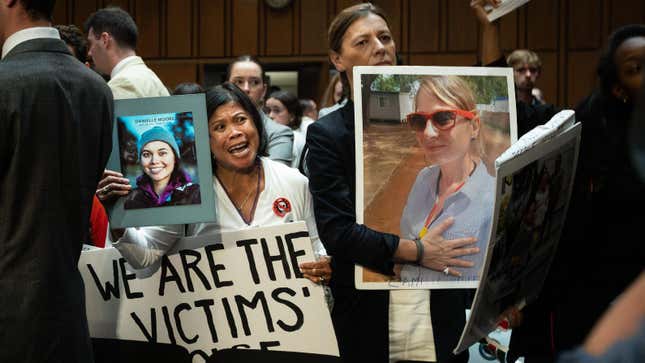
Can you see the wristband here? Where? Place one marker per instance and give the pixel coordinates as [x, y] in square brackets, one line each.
[420, 248]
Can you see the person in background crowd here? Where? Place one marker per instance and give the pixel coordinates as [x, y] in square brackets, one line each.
[246, 72]
[334, 97]
[55, 138]
[529, 115]
[599, 253]
[188, 88]
[527, 68]
[309, 109]
[75, 40]
[283, 107]
[112, 38]
[248, 186]
[369, 326]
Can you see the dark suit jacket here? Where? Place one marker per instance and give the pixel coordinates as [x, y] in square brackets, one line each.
[360, 317]
[55, 138]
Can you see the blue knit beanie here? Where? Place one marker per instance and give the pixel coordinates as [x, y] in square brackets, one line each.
[157, 133]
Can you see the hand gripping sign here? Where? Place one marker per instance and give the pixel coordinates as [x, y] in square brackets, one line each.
[238, 289]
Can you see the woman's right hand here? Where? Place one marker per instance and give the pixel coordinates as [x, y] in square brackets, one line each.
[111, 186]
[442, 254]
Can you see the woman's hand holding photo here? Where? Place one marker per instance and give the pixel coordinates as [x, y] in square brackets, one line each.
[111, 186]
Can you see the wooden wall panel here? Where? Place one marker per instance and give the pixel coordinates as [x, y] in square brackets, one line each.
[147, 15]
[212, 28]
[542, 25]
[82, 10]
[581, 77]
[508, 31]
[173, 74]
[244, 32]
[61, 12]
[179, 22]
[181, 36]
[462, 27]
[424, 27]
[548, 81]
[313, 27]
[622, 14]
[584, 26]
[279, 31]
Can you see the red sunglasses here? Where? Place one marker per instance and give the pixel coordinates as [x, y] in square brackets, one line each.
[441, 120]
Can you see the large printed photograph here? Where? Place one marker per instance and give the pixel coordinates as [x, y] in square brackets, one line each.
[161, 145]
[158, 157]
[533, 193]
[427, 139]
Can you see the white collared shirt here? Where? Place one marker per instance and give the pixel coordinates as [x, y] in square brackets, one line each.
[119, 66]
[28, 34]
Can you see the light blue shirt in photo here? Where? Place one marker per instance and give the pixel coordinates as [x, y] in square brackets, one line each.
[472, 209]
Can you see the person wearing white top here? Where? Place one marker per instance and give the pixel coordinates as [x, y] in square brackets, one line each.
[251, 190]
[284, 108]
[112, 39]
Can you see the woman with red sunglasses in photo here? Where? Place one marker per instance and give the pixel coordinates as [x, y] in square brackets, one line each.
[455, 184]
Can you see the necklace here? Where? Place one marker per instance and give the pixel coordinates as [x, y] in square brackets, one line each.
[437, 208]
[255, 202]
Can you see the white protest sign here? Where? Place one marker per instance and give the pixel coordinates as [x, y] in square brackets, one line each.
[237, 289]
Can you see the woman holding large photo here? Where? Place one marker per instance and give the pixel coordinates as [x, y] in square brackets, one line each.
[455, 183]
[251, 190]
[376, 326]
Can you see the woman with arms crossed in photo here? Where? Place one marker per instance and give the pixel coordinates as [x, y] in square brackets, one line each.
[455, 183]
[247, 186]
[369, 327]
[163, 182]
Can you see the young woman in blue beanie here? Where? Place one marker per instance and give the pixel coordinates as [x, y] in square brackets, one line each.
[163, 181]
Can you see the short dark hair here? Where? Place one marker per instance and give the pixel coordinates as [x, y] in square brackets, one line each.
[307, 105]
[116, 22]
[188, 88]
[73, 37]
[607, 69]
[291, 103]
[228, 92]
[39, 9]
[245, 58]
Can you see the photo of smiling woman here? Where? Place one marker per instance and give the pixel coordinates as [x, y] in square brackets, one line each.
[455, 183]
[163, 181]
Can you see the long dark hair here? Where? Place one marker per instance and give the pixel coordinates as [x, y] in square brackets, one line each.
[339, 26]
[227, 92]
[291, 103]
[177, 175]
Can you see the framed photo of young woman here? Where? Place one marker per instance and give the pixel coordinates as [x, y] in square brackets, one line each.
[426, 143]
[161, 145]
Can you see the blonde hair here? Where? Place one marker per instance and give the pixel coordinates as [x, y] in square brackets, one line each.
[524, 56]
[455, 91]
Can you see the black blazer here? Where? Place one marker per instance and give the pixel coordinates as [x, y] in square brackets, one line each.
[55, 138]
[360, 317]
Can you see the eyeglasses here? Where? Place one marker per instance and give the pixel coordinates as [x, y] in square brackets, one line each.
[441, 120]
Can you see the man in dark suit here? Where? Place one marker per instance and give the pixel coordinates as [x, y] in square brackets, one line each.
[55, 138]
